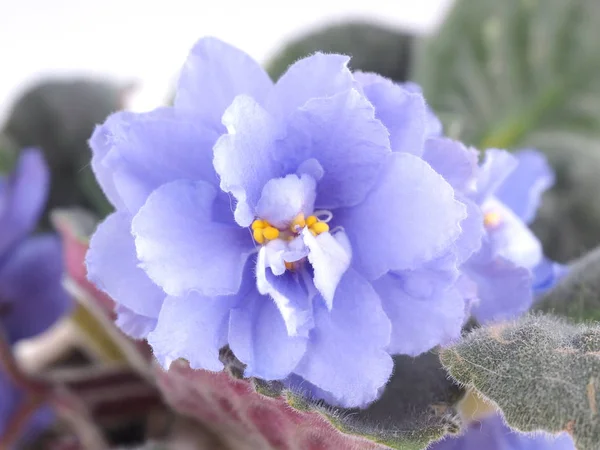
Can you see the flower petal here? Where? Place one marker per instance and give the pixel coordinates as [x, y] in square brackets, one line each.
[182, 249]
[402, 112]
[112, 265]
[522, 190]
[345, 341]
[248, 156]
[284, 198]
[330, 256]
[294, 303]
[258, 337]
[31, 287]
[156, 148]
[213, 75]
[317, 76]
[472, 233]
[343, 135]
[410, 217]
[22, 198]
[133, 324]
[494, 434]
[434, 125]
[452, 160]
[496, 168]
[419, 324]
[503, 289]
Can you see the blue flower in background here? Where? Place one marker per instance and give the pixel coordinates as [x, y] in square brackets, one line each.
[296, 222]
[492, 433]
[31, 294]
[510, 268]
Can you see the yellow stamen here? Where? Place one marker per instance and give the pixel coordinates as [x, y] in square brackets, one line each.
[258, 236]
[311, 220]
[298, 223]
[492, 219]
[270, 233]
[258, 224]
[289, 265]
[319, 227]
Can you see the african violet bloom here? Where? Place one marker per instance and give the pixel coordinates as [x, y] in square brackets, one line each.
[492, 433]
[297, 223]
[31, 294]
[510, 268]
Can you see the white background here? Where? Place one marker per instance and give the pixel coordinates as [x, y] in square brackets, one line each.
[147, 40]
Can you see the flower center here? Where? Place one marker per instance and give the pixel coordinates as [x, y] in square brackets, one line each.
[492, 219]
[263, 231]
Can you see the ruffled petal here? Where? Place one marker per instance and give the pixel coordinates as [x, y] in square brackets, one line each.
[343, 135]
[156, 148]
[290, 291]
[182, 249]
[22, 198]
[112, 265]
[469, 240]
[284, 198]
[329, 255]
[31, 287]
[248, 156]
[345, 341]
[317, 76]
[419, 324]
[410, 217]
[132, 324]
[434, 125]
[258, 337]
[213, 75]
[496, 168]
[504, 290]
[452, 160]
[402, 112]
[522, 190]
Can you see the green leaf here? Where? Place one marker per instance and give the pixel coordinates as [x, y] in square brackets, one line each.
[373, 49]
[417, 406]
[577, 296]
[516, 73]
[543, 372]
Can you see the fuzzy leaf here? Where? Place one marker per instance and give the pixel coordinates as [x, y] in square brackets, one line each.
[543, 372]
[578, 294]
[417, 406]
[243, 418]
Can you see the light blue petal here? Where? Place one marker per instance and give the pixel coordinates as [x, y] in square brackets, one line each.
[402, 112]
[522, 190]
[284, 198]
[410, 217]
[434, 125]
[346, 352]
[496, 167]
[182, 249]
[317, 76]
[452, 160]
[248, 156]
[330, 256]
[343, 135]
[419, 324]
[258, 337]
[156, 148]
[133, 324]
[112, 265]
[213, 75]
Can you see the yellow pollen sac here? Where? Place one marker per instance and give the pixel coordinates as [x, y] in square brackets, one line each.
[318, 228]
[289, 265]
[270, 233]
[258, 224]
[298, 223]
[258, 236]
[492, 219]
[311, 220]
